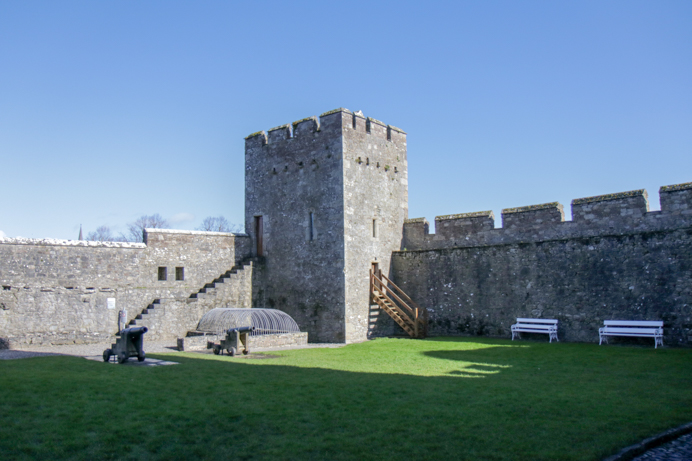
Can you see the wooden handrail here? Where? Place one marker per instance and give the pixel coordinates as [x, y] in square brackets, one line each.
[400, 291]
[398, 308]
[411, 311]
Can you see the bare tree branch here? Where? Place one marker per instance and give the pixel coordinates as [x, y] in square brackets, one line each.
[136, 229]
[101, 234]
[218, 224]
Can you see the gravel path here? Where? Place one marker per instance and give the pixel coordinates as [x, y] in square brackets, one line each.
[677, 450]
[77, 350]
[90, 350]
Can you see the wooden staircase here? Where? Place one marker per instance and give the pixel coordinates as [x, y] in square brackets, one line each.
[412, 318]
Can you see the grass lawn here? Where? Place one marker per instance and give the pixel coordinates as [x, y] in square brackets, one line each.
[442, 398]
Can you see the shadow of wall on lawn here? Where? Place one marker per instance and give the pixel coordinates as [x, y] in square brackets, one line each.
[217, 407]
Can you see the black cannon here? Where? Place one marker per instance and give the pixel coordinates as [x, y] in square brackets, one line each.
[235, 337]
[128, 343]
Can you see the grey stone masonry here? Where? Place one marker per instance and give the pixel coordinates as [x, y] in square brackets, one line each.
[611, 210]
[625, 212]
[61, 292]
[677, 198]
[535, 216]
[375, 207]
[330, 196]
[271, 341]
[168, 318]
[294, 184]
[615, 260]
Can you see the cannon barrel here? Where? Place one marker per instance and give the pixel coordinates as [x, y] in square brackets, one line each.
[241, 329]
[134, 331]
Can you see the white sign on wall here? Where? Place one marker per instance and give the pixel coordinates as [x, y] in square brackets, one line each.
[110, 303]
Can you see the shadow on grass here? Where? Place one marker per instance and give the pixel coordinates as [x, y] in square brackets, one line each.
[543, 404]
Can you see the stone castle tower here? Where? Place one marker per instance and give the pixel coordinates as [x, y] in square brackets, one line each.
[325, 201]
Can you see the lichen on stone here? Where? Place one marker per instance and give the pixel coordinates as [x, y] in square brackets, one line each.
[475, 214]
[524, 209]
[415, 220]
[256, 133]
[372, 120]
[313, 118]
[280, 127]
[340, 109]
[604, 198]
[676, 187]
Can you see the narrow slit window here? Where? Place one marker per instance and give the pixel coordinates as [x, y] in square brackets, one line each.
[374, 227]
[163, 273]
[312, 226]
[259, 234]
[180, 273]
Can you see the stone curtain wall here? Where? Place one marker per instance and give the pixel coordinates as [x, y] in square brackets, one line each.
[58, 292]
[615, 260]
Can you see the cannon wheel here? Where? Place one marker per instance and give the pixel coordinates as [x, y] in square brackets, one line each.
[217, 349]
[232, 352]
[122, 358]
[107, 355]
[140, 358]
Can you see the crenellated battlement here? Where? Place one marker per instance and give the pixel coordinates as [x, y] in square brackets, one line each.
[607, 210]
[676, 198]
[609, 214]
[333, 121]
[533, 216]
[450, 226]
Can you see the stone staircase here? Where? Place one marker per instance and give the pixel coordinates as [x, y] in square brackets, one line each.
[169, 318]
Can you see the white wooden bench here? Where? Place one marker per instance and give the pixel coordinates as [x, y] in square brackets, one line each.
[547, 326]
[635, 328]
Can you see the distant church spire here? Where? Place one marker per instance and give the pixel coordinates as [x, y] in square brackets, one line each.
[80, 233]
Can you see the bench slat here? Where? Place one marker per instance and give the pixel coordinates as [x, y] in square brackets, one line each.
[638, 331]
[533, 331]
[548, 321]
[633, 323]
[630, 335]
[534, 327]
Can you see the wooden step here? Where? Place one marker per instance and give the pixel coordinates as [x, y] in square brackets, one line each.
[398, 320]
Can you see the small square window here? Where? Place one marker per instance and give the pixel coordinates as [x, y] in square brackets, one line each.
[180, 273]
[163, 273]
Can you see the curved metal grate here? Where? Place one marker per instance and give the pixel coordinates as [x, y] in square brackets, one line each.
[265, 321]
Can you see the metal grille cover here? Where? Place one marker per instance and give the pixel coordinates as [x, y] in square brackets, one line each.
[265, 321]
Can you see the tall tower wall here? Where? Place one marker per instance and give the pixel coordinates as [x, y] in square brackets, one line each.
[375, 207]
[325, 198]
[294, 186]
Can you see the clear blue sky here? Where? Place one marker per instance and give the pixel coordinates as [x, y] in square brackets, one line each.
[111, 110]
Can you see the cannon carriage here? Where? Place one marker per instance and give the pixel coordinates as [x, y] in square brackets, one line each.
[235, 337]
[129, 343]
